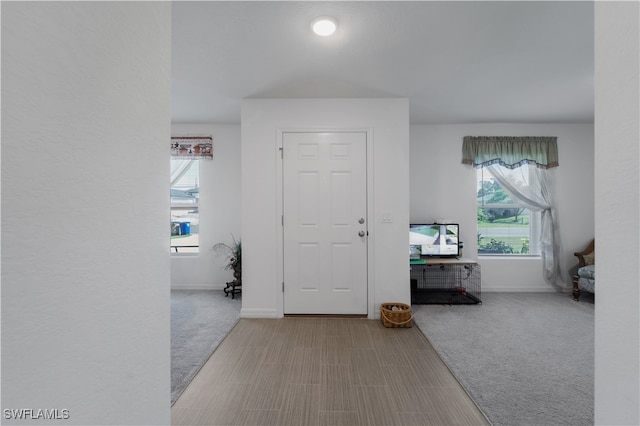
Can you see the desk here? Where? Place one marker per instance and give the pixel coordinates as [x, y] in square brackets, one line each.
[448, 281]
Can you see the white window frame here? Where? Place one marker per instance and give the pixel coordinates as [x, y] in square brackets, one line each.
[176, 205]
[534, 224]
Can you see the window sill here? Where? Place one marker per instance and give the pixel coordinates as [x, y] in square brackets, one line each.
[509, 256]
[178, 254]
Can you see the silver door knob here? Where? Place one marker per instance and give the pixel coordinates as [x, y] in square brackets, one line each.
[361, 233]
[361, 220]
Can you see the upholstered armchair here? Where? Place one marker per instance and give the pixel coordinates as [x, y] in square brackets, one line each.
[585, 277]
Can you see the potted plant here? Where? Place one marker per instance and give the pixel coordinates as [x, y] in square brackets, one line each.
[233, 252]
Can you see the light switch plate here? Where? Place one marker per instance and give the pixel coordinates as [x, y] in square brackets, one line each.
[386, 217]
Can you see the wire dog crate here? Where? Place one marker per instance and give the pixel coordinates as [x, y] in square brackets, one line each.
[445, 282]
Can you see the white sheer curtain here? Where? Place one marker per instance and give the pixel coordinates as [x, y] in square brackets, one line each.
[531, 187]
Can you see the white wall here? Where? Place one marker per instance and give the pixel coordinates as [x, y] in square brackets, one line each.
[443, 188]
[85, 267]
[219, 208]
[389, 121]
[617, 207]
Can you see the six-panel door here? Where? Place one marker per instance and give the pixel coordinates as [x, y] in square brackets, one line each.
[325, 222]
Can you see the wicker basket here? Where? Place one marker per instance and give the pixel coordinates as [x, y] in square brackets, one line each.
[396, 318]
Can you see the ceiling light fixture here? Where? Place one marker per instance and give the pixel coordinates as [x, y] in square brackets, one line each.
[324, 26]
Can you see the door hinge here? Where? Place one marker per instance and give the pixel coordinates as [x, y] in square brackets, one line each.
[283, 286]
[281, 152]
[282, 220]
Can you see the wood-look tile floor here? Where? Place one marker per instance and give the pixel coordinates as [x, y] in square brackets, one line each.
[324, 371]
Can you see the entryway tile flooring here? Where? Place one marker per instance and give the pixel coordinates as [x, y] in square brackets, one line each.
[324, 371]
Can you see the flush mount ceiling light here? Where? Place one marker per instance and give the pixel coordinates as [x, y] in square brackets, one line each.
[324, 26]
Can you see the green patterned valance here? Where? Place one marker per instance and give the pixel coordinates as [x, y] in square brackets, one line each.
[510, 151]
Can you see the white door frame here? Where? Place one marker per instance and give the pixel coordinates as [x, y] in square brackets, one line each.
[279, 211]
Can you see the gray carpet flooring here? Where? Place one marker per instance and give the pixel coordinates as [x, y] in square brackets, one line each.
[200, 320]
[525, 358]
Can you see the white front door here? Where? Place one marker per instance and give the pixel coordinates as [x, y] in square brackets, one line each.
[325, 222]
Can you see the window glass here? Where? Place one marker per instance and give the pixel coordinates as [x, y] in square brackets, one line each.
[504, 228]
[185, 195]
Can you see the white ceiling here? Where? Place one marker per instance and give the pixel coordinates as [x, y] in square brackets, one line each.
[456, 62]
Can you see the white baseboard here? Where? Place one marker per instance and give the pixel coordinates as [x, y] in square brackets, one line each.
[197, 287]
[259, 313]
[518, 290]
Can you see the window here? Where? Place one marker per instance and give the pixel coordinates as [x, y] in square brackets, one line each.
[504, 228]
[185, 195]
[521, 165]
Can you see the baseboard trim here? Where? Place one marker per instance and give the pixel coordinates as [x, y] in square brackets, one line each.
[518, 290]
[332, 316]
[259, 313]
[197, 287]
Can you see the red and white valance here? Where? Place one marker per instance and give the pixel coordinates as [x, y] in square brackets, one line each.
[192, 147]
